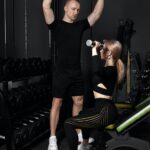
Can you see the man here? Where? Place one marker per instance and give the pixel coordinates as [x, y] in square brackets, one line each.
[67, 74]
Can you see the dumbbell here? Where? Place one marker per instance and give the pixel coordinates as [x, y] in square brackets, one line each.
[45, 111]
[33, 126]
[8, 69]
[21, 134]
[1, 69]
[21, 68]
[144, 78]
[15, 101]
[44, 120]
[37, 63]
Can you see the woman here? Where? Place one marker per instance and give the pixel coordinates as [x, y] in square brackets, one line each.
[105, 79]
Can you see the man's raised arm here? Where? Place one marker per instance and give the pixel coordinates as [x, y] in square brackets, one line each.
[48, 12]
[96, 13]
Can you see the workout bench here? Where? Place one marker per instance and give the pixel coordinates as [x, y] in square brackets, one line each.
[120, 131]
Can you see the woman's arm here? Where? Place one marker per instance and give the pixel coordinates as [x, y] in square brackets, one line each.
[96, 62]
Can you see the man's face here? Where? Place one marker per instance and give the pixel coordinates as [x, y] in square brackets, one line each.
[72, 9]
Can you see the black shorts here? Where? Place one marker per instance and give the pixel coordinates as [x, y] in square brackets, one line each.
[68, 82]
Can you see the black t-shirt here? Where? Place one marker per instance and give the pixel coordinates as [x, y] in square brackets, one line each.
[105, 75]
[68, 38]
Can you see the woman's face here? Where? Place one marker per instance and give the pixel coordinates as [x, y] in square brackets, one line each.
[104, 51]
[102, 54]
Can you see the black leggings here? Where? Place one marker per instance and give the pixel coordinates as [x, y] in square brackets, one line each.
[101, 115]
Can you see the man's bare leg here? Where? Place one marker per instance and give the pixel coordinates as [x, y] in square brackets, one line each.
[54, 118]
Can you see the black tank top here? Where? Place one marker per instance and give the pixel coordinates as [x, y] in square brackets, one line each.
[105, 75]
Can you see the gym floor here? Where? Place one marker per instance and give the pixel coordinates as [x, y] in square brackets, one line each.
[44, 144]
[141, 131]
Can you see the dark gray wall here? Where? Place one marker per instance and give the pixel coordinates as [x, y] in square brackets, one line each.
[38, 37]
[137, 11]
[31, 34]
[26, 33]
[6, 27]
[2, 42]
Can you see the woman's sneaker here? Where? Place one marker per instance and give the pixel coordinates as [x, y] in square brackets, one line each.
[91, 140]
[84, 147]
[80, 138]
[52, 143]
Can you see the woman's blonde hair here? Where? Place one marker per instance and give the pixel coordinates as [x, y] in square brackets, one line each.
[116, 48]
[121, 70]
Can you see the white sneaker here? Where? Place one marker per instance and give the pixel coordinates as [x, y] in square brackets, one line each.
[80, 138]
[52, 143]
[91, 140]
[84, 147]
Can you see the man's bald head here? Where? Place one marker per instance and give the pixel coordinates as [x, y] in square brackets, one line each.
[69, 1]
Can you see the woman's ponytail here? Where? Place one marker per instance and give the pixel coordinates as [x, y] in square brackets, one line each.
[120, 70]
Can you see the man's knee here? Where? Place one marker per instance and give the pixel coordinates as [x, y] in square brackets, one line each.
[56, 103]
